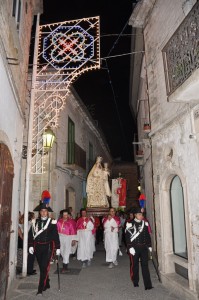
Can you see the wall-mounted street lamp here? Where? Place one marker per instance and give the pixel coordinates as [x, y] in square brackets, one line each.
[48, 138]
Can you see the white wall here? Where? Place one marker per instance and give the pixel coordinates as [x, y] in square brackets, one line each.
[11, 129]
[172, 124]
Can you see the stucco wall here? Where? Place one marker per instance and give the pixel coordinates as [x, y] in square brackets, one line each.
[173, 151]
[11, 129]
[171, 126]
[14, 56]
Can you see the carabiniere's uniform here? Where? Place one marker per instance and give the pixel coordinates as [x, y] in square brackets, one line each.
[137, 236]
[43, 236]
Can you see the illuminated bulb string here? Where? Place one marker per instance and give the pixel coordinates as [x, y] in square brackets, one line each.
[69, 51]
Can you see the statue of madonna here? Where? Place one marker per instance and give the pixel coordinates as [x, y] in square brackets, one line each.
[96, 188]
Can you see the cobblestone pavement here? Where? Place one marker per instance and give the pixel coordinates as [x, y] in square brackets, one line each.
[95, 282]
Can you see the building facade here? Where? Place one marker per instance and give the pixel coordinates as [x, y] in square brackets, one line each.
[77, 144]
[165, 97]
[16, 18]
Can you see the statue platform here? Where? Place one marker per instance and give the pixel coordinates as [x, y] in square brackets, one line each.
[97, 211]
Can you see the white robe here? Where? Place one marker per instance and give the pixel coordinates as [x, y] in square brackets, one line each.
[111, 240]
[85, 243]
[66, 248]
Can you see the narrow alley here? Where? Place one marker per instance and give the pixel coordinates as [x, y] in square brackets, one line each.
[95, 282]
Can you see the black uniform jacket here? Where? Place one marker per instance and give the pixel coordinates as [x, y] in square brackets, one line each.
[137, 234]
[44, 232]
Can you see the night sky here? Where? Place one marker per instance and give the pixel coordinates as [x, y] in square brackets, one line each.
[106, 91]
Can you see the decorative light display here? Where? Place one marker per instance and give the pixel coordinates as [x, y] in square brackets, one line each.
[68, 47]
[66, 50]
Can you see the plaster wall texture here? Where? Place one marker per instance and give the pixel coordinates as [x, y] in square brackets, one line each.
[163, 22]
[16, 43]
[14, 56]
[174, 153]
[11, 128]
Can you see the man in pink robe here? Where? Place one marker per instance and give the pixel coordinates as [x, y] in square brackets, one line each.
[68, 237]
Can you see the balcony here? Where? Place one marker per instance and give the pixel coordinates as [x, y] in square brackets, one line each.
[139, 158]
[181, 59]
[76, 157]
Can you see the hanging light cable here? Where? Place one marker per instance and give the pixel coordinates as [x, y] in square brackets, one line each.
[115, 102]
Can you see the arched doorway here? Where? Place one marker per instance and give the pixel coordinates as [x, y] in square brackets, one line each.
[6, 182]
[178, 218]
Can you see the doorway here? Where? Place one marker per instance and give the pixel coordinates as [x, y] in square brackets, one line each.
[6, 183]
[178, 218]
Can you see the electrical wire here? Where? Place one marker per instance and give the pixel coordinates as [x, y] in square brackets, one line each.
[116, 41]
[122, 35]
[117, 110]
[110, 82]
[124, 54]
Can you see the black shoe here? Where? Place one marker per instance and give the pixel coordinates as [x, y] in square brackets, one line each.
[149, 288]
[32, 273]
[39, 294]
[46, 287]
[136, 285]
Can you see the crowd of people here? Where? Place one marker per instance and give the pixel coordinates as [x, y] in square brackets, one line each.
[77, 238]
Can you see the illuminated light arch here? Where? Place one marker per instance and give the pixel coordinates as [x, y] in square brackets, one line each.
[65, 51]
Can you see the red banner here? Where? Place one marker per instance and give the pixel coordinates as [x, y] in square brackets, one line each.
[122, 192]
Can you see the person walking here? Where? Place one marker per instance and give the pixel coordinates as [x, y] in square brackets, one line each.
[138, 243]
[43, 241]
[31, 257]
[111, 225]
[68, 237]
[85, 239]
[121, 228]
[20, 244]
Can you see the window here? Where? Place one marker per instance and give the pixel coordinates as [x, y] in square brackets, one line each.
[16, 11]
[90, 156]
[178, 218]
[71, 142]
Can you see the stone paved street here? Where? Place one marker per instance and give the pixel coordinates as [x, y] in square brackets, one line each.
[96, 282]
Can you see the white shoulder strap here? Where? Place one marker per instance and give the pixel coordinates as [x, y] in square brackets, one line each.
[135, 235]
[40, 231]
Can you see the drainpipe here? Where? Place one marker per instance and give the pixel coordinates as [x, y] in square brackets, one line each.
[29, 153]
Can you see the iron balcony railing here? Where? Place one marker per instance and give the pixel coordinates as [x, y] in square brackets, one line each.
[181, 53]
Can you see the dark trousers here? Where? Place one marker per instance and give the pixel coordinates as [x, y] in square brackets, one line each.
[142, 253]
[30, 264]
[99, 235]
[43, 253]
